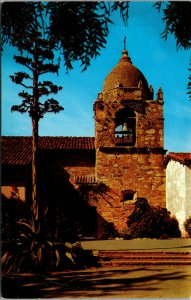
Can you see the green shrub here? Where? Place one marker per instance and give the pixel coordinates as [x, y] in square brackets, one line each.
[151, 222]
[187, 225]
[32, 247]
[106, 230]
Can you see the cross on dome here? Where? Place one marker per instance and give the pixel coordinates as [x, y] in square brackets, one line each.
[125, 56]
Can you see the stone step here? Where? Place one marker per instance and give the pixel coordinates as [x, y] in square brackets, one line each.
[128, 254]
[146, 258]
[115, 263]
[134, 258]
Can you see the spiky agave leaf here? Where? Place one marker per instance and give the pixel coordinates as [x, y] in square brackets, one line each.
[57, 257]
[70, 257]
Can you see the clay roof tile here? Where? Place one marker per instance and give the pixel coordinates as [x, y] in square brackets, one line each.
[17, 149]
[181, 157]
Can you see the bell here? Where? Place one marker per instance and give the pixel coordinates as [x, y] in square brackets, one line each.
[125, 127]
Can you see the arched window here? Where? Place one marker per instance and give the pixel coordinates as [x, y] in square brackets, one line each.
[125, 128]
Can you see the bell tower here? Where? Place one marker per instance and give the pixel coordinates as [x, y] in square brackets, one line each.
[129, 143]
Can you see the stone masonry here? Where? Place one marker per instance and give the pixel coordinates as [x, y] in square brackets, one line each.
[129, 165]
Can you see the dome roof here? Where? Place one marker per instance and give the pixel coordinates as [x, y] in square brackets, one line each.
[125, 74]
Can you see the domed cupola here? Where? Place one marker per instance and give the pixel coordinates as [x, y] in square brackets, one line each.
[126, 76]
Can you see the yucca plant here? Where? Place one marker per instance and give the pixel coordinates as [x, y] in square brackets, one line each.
[33, 249]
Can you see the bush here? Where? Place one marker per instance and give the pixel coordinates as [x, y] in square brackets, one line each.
[151, 222]
[107, 230]
[187, 226]
[32, 247]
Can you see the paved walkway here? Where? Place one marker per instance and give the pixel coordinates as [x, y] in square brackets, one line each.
[122, 282]
[137, 245]
[109, 282]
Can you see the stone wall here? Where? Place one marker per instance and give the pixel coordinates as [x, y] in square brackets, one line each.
[8, 192]
[142, 174]
[137, 169]
[149, 122]
[150, 126]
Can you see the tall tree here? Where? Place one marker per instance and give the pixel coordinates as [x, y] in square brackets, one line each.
[77, 30]
[74, 30]
[36, 57]
[177, 20]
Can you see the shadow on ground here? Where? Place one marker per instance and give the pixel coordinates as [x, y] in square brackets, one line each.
[129, 282]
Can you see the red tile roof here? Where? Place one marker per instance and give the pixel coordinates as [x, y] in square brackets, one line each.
[184, 158]
[17, 149]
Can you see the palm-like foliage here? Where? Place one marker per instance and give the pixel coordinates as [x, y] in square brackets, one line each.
[77, 29]
[17, 20]
[177, 20]
[34, 249]
[189, 82]
[176, 16]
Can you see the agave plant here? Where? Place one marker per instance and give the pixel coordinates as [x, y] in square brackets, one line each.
[34, 250]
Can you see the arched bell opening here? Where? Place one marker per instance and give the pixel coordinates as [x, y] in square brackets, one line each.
[125, 128]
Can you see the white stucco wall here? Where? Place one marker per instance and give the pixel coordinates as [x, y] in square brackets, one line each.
[176, 191]
[188, 192]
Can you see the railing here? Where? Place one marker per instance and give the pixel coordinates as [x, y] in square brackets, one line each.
[124, 140]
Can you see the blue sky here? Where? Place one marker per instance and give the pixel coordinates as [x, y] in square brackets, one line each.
[159, 60]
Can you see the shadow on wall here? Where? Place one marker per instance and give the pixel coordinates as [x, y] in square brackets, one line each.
[69, 215]
[105, 229]
[68, 212]
[12, 209]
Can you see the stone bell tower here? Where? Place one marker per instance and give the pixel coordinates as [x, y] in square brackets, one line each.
[129, 143]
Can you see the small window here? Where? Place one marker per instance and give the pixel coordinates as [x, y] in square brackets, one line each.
[129, 195]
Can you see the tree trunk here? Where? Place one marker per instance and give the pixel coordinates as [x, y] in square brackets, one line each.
[35, 120]
[34, 205]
